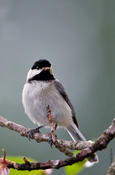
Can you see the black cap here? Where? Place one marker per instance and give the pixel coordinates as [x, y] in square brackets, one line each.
[41, 63]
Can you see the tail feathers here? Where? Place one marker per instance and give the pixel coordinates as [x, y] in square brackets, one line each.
[75, 133]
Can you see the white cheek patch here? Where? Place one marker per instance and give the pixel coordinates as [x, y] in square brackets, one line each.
[32, 73]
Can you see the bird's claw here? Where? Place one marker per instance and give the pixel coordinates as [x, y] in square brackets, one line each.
[31, 132]
[50, 141]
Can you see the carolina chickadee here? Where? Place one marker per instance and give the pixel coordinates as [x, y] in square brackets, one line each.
[42, 89]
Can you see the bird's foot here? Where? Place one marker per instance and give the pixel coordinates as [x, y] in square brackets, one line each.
[31, 132]
[50, 141]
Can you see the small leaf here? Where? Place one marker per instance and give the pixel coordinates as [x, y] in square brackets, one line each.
[76, 167]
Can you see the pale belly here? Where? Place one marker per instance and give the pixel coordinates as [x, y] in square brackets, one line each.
[36, 99]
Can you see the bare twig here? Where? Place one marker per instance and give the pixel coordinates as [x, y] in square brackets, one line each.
[54, 138]
[99, 144]
[52, 124]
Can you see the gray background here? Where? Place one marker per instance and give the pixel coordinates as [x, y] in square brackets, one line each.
[78, 37]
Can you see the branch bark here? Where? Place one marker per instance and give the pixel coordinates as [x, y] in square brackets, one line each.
[87, 149]
[39, 137]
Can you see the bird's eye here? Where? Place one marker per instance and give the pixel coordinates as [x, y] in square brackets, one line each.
[37, 67]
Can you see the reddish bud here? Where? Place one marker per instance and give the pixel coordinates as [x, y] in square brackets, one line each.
[4, 170]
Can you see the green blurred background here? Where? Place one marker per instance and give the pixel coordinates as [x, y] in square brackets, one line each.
[78, 37]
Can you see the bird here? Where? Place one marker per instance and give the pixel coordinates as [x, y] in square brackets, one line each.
[42, 89]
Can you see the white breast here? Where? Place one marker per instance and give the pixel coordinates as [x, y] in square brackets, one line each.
[37, 96]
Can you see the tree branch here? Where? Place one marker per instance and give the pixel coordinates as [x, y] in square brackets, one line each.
[99, 144]
[39, 137]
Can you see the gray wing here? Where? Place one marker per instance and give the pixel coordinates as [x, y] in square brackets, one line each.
[61, 90]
